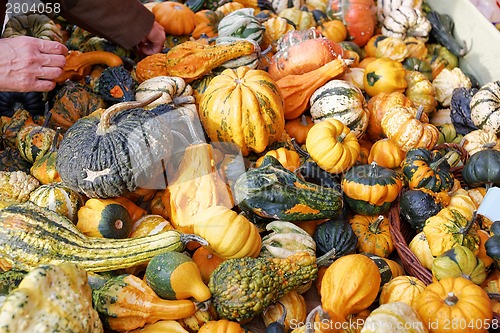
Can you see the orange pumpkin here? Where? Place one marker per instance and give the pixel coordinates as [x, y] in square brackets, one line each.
[359, 17]
[288, 158]
[404, 289]
[207, 262]
[334, 30]
[386, 153]
[206, 23]
[176, 18]
[298, 128]
[373, 234]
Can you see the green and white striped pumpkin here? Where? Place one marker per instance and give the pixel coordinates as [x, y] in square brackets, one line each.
[485, 107]
[174, 89]
[242, 23]
[341, 100]
[384, 7]
[58, 198]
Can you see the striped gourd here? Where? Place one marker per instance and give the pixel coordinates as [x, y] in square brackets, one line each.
[174, 90]
[31, 235]
[384, 7]
[58, 198]
[341, 100]
[485, 107]
[243, 24]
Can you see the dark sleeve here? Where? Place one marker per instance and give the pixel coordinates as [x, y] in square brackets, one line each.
[123, 22]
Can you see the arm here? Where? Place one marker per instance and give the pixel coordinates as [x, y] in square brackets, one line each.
[124, 22]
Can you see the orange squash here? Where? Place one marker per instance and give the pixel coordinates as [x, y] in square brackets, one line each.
[176, 18]
[207, 262]
[386, 153]
[373, 234]
[297, 89]
[288, 158]
[404, 289]
[298, 128]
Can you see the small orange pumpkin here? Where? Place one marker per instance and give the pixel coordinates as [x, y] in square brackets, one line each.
[298, 128]
[386, 153]
[176, 18]
[288, 158]
[207, 262]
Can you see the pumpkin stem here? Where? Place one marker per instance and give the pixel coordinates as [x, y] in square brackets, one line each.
[451, 299]
[299, 149]
[105, 121]
[186, 238]
[420, 111]
[373, 172]
[465, 230]
[53, 146]
[375, 225]
[180, 100]
[341, 137]
[327, 258]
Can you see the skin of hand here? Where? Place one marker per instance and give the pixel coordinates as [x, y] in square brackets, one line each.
[153, 42]
[30, 64]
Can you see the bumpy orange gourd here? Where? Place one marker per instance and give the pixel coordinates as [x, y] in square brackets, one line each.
[243, 106]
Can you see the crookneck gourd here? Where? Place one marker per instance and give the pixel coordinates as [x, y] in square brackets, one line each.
[271, 191]
[31, 235]
[115, 150]
[243, 287]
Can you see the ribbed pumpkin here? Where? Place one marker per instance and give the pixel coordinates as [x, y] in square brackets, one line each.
[34, 141]
[386, 154]
[243, 106]
[11, 101]
[373, 234]
[459, 261]
[275, 28]
[332, 145]
[370, 189]
[485, 107]
[58, 198]
[343, 101]
[336, 235]
[390, 317]
[298, 128]
[421, 91]
[241, 23]
[104, 155]
[404, 289]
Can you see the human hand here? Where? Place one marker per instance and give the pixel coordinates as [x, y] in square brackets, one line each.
[30, 64]
[153, 42]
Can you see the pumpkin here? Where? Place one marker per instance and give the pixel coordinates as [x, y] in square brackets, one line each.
[461, 201]
[34, 141]
[479, 140]
[207, 262]
[72, 102]
[334, 30]
[116, 84]
[482, 168]
[229, 234]
[300, 17]
[485, 107]
[370, 189]
[421, 91]
[384, 75]
[459, 261]
[384, 7]
[226, 8]
[403, 288]
[380, 104]
[419, 65]
[207, 22]
[279, 5]
[121, 130]
[104, 218]
[373, 234]
[174, 275]
[298, 128]
[370, 47]
[288, 158]
[295, 310]
[392, 48]
[332, 145]
[416, 206]
[416, 49]
[261, 115]
[176, 18]
[34, 25]
[30, 101]
[297, 89]
[241, 23]
[455, 305]
[174, 91]
[386, 154]
[424, 168]
[286, 238]
[344, 293]
[354, 75]
[44, 167]
[275, 28]
[10, 126]
[343, 101]
[358, 16]
[419, 246]
[336, 235]
[405, 22]
[408, 129]
[290, 57]
[448, 80]
[450, 228]
[221, 326]
[58, 198]
[392, 316]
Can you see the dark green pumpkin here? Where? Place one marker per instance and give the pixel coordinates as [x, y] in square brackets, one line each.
[29, 101]
[334, 234]
[160, 269]
[492, 245]
[482, 168]
[383, 268]
[121, 150]
[459, 262]
[369, 189]
[424, 168]
[271, 191]
[418, 65]
[416, 206]
[11, 160]
[116, 85]
[495, 228]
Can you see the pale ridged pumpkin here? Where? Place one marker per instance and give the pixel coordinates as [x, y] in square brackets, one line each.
[243, 106]
[485, 107]
[332, 145]
[392, 317]
[404, 289]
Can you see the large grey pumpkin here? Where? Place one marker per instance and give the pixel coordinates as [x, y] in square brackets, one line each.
[121, 150]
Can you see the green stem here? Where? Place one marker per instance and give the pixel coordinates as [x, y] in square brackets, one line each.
[373, 172]
[373, 228]
[465, 230]
[451, 299]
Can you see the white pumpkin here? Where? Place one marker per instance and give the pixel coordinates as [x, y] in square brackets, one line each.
[394, 317]
[485, 107]
[343, 101]
[405, 22]
[480, 140]
[384, 7]
[446, 81]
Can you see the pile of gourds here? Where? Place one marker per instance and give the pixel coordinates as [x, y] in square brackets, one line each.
[257, 160]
